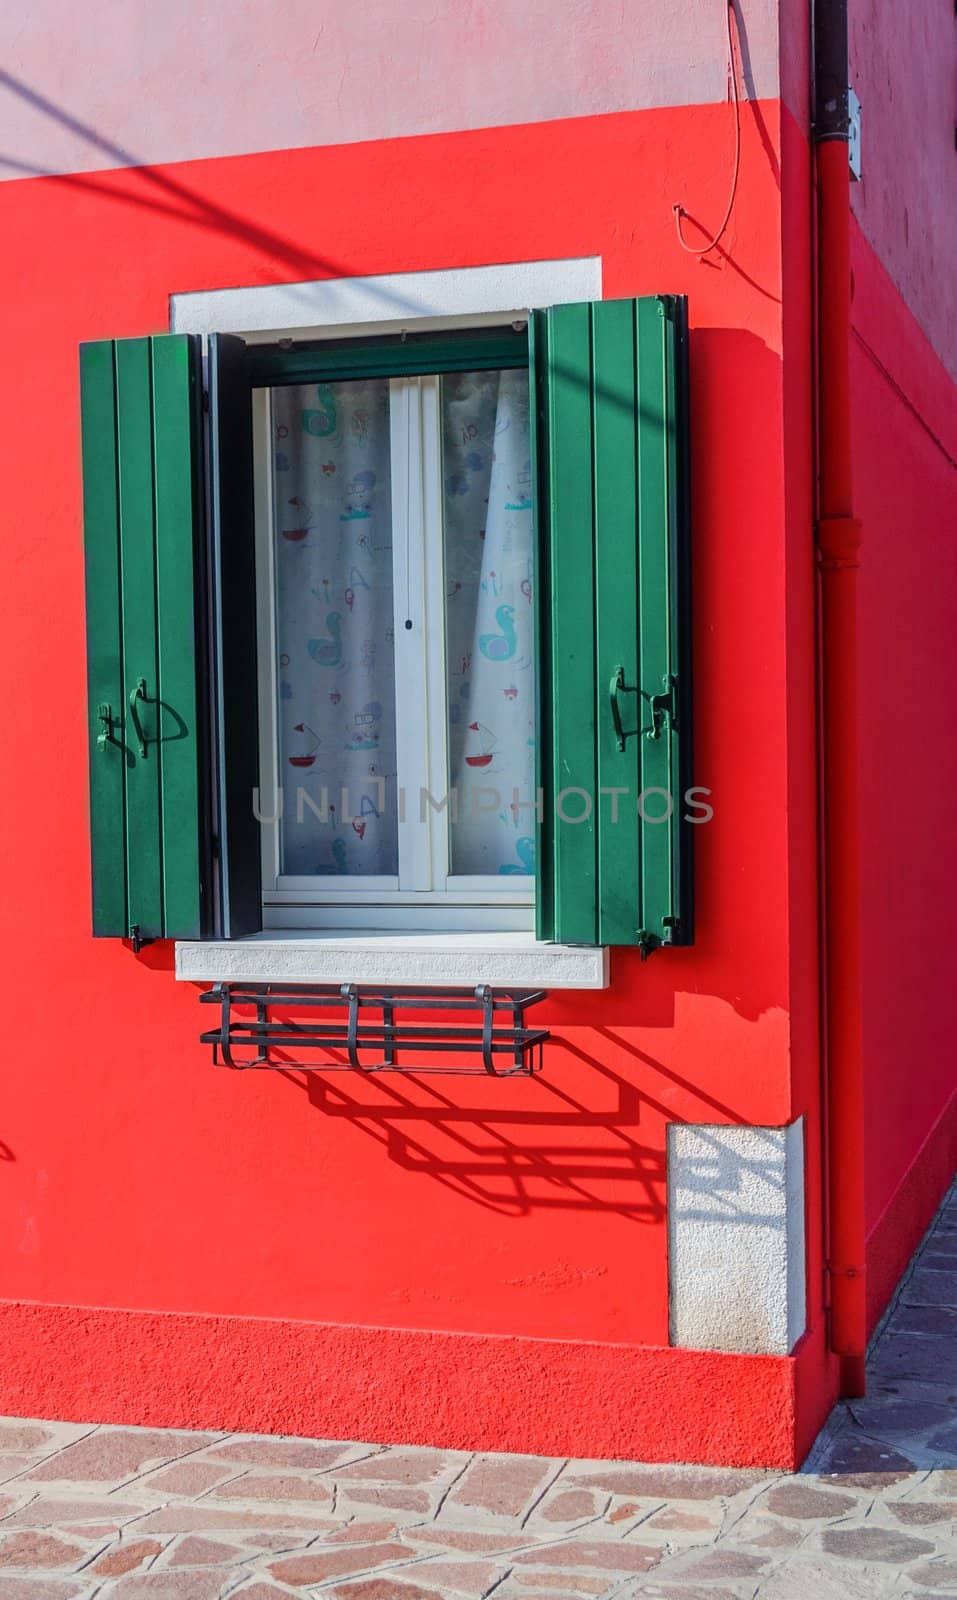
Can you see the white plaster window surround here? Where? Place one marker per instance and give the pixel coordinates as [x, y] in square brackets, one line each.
[446, 297]
[736, 1244]
[430, 301]
[459, 960]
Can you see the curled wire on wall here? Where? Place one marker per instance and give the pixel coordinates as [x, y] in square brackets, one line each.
[678, 208]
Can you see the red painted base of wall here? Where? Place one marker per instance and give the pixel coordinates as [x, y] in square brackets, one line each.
[392, 1385]
[903, 1222]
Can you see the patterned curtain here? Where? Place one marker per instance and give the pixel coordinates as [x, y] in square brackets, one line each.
[333, 516]
[335, 625]
[489, 620]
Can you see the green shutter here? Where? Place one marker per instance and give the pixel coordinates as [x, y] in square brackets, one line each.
[612, 514]
[142, 516]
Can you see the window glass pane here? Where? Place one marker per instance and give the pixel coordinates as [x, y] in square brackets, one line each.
[334, 627]
[489, 572]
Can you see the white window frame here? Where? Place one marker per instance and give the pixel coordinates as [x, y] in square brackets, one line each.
[425, 894]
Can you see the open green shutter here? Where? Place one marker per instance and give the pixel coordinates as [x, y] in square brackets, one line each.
[612, 515]
[142, 515]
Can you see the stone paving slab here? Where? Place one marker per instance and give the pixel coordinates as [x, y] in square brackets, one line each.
[113, 1513]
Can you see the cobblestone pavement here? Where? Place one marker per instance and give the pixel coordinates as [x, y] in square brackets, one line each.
[150, 1514]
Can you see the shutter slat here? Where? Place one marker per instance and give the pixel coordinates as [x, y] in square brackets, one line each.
[144, 863]
[610, 383]
[541, 586]
[655, 469]
[104, 640]
[615, 603]
[175, 426]
[571, 739]
[142, 499]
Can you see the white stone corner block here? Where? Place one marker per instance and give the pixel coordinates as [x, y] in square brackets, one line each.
[736, 1256]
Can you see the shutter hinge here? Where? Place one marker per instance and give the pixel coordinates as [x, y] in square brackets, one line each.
[647, 942]
[105, 717]
[664, 707]
[137, 939]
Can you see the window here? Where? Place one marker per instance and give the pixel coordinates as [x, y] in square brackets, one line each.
[395, 559]
[447, 574]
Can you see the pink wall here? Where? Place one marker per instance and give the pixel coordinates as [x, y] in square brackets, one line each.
[903, 65]
[178, 81]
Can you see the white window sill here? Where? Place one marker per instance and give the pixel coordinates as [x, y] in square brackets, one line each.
[459, 960]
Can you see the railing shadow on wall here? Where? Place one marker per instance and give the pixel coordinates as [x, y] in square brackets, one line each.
[567, 1139]
[552, 1150]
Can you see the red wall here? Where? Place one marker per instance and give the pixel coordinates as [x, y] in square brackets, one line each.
[137, 1176]
[905, 493]
[903, 366]
[905, 476]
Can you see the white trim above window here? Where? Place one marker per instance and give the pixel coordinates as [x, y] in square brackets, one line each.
[459, 960]
[350, 305]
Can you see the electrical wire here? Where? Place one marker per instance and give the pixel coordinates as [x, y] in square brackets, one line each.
[678, 208]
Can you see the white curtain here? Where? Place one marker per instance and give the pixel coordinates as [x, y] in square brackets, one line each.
[335, 625]
[489, 572]
[333, 518]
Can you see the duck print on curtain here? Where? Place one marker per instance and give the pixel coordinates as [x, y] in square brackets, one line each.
[334, 626]
[489, 571]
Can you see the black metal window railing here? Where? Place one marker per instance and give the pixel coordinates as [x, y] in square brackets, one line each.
[355, 1028]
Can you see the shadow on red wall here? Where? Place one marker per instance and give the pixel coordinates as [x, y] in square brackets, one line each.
[559, 1147]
